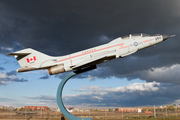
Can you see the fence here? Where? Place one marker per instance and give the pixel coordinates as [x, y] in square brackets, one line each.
[107, 114]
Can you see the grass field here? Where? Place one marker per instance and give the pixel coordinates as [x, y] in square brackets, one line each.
[100, 115]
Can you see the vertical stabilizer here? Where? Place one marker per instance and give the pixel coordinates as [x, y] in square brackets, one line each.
[29, 56]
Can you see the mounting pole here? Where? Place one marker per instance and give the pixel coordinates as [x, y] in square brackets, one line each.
[59, 93]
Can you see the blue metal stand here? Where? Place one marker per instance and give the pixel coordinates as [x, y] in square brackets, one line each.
[59, 94]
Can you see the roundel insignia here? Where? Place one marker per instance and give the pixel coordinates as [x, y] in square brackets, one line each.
[135, 44]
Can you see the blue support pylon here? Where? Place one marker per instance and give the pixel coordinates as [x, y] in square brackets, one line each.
[59, 94]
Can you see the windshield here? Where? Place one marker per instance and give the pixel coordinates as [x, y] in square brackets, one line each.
[143, 35]
[137, 34]
[134, 35]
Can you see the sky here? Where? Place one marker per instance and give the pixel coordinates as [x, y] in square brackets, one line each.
[59, 27]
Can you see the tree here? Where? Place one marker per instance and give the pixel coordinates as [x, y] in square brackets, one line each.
[110, 110]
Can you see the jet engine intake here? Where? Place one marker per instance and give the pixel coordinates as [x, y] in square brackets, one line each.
[56, 69]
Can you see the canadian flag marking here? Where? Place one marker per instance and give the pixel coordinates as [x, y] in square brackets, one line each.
[31, 59]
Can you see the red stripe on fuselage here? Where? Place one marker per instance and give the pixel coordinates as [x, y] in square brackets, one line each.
[121, 46]
[147, 40]
[92, 51]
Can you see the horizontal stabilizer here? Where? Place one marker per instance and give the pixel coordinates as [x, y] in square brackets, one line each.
[18, 54]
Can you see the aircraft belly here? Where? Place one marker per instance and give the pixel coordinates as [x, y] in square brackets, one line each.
[92, 59]
[95, 62]
[124, 51]
[78, 60]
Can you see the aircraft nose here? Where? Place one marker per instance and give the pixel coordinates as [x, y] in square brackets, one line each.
[165, 37]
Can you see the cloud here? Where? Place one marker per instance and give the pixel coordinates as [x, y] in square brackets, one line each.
[1, 68]
[64, 27]
[5, 50]
[132, 95]
[43, 97]
[44, 77]
[47, 100]
[58, 28]
[163, 74]
[15, 46]
[6, 99]
[140, 68]
[86, 25]
[137, 94]
[13, 72]
[7, 78]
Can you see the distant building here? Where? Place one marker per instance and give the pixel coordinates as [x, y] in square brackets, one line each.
[76, 109]
[148, 111]
[127, 109]
[44, 108]
[9, 107]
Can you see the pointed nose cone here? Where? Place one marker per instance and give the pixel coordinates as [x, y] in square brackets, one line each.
[165, 37]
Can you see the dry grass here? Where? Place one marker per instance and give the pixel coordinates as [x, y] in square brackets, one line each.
[51, 115]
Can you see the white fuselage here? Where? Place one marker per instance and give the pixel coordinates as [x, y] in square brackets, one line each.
[117, 48]
[30, 59]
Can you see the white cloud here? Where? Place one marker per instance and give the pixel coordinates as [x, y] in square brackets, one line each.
[91, 77]
[137, 94]
[3, 77]
[7, 78]
[47, 100]
[104, 38]
[130, 88]
[97, 97]
[47, 97]
[7, 48]
[163, 74]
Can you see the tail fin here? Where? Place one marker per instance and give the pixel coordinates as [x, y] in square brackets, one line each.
[28, 56]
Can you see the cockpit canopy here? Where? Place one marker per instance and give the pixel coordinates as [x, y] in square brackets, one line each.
[135, 35]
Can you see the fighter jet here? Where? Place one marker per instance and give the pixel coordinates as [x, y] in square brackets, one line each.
[30, 59]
